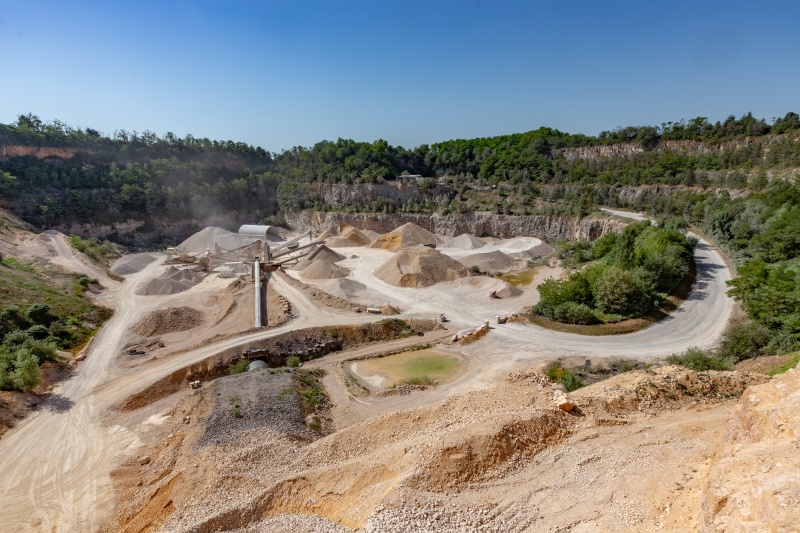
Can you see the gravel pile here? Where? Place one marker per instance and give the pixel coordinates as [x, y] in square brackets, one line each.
[524, 247]
[489, 261]
[406, 235]
[168, 320]
[264, 400]
[419, 266]
[206, 238]
[172, 281]
[348, 237]
[466, 241]
[324, 270]
[322, 253]
[131, 264]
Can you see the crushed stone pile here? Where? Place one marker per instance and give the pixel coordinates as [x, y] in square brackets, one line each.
[206, 238]
[168, 320]
[172, 281]
[324, 270]
[348, 236]
[466, 241]
[489, 261]
[370, 234]
[131, 264]
[406, 235]
[419, 266]
[524, 248]
[322, 253]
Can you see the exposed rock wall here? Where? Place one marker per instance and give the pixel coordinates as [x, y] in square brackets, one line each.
[754, 478]
[397, 192]
[548, 228]
[685, 147]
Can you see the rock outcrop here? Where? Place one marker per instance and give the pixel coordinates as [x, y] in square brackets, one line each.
[754, 478]
[547, 228]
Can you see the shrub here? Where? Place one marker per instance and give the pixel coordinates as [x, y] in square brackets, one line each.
[574, 313]
[38, 332]
[565, 377]
[293, 361]
[744, 341]
[238, 367]
[26, 370]
[623, 292]
[697, 359]
[40, 313]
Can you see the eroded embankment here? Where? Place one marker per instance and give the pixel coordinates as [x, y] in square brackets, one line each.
[307, 344]
[501, 459]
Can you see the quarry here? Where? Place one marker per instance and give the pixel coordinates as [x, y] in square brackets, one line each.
[396, 389]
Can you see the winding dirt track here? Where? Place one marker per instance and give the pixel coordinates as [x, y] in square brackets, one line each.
[56, 464]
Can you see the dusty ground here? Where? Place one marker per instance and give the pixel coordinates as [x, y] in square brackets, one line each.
[408, 457]
[500, 459]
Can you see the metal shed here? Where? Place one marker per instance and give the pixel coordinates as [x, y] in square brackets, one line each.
[257, 230]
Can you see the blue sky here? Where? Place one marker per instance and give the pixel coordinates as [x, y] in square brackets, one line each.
[281, 74]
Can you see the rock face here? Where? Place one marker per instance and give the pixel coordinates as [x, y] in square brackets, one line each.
[754, 478]
[547, 228]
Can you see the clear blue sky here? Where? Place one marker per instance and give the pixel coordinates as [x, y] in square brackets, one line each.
[281, 74]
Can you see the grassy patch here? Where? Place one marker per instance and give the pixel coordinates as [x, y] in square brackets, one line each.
[697, 359]
[100, 253]
[520, 279]
[238, 367]
[310, 388]
[417, 381]
[790, 363]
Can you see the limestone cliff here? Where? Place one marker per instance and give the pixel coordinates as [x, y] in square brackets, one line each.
[548, 228]
[754, 478]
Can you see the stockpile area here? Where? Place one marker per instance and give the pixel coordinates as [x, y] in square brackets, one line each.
[131, 264]
[524, 248]
[419, 266]
[172, 281]
[466, 241]
[345, 236]
[169, 320]
[489, 261]
[324, 270]
[321, 253]
[406, 235]
[206, 238]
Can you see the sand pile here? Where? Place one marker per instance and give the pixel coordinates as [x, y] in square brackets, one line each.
[348, 236]
[419, 266]
[406, 235]
[322, 253]
[489, 261]
[172, 281]
[131, 264]
[465, 241]
[168, 320]
[324, 270]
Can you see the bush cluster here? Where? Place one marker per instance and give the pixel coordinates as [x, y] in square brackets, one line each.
[633, 269]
